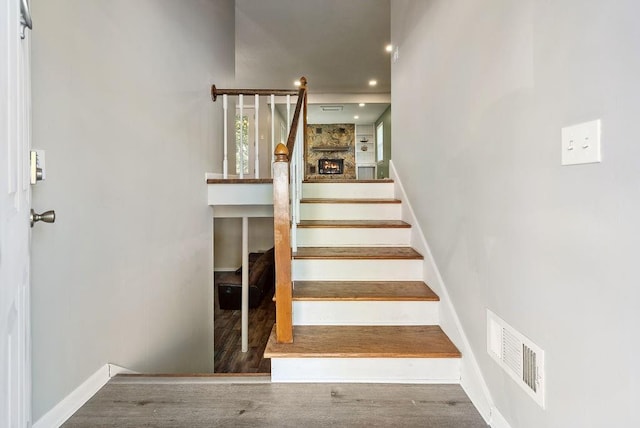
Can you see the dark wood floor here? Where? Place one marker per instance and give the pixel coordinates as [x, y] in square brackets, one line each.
[174, 402]
[228, 357]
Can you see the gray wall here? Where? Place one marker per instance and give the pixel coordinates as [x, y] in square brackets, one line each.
[121, 105]
[481, 91]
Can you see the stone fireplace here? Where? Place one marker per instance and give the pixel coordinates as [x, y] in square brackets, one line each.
[330, 152]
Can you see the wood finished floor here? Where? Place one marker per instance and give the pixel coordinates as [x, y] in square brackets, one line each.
[228, 356]
[127, 403]
[363, 291]
[320, 341]
[360, 224]
[385, 253]
[348, 201]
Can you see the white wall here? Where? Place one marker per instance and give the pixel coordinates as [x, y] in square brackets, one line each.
[480, 93]
[121, 105]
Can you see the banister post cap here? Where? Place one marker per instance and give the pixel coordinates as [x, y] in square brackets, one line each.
[281, 153]
[214, 94]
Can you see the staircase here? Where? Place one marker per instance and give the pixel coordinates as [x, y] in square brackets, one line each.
[361, 311]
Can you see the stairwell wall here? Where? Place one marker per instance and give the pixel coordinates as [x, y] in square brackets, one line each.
[121, 105]
[480, 93]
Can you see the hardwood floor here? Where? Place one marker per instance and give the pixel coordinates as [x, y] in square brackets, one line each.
[228, 357]
[386, 253]
[317, 341]
[126, 402]
[366, 291]
[360, 224]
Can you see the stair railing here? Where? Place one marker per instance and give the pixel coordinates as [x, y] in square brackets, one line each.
[255, 94]
[288, 173]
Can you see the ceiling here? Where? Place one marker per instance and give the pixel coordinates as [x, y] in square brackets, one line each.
[337, 44]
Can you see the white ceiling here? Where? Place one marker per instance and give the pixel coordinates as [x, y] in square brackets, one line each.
[337, 44]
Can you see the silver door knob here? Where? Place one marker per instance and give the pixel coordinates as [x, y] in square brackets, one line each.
[47, 217]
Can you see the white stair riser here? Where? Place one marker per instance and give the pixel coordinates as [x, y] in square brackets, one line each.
[357, 270]
[348, 190]
[353, 237]
[365, 312]
[366, 370]
[367, 211]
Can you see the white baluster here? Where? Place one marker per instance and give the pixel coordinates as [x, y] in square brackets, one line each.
[245, 284]
[225, 142]
[256, 142]
[241, 98]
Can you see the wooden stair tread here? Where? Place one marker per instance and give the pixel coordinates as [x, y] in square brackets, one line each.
[347, 180]
[357, 253]
[364, 342]
[373, 224]
[363, 291]
[349, 201]
[239, 180]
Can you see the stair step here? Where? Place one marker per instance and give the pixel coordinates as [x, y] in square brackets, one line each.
[364, 303]
[350, 201]
[346, 180]
[356, 189]
[363, 291]
[357, 253]
[356, 224]
[350, 209]
[427, 341]
[353, 233]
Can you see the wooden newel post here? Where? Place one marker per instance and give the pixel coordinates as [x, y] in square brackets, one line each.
[282, 245]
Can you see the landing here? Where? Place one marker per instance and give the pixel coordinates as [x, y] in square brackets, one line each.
[188, 402]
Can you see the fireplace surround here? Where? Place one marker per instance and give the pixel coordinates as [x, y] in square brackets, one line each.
[330, 166]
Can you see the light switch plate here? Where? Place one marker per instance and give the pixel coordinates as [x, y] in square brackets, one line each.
[581, 143]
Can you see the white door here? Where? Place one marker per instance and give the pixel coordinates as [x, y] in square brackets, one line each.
[15, 201]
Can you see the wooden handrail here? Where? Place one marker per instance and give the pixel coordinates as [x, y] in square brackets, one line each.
[279, 92]
[302, 97]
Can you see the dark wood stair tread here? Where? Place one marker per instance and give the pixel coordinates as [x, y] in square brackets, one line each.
[363, 291]
[349, 201]
[347, 180]
[427, 341]
[357, 253]
[372, 224]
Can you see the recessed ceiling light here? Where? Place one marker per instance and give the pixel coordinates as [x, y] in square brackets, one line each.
[388, 48]
[362, 104]
[356, 117]
[373, 82]
[297, 83]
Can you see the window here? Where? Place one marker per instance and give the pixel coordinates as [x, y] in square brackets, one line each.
[380, 141]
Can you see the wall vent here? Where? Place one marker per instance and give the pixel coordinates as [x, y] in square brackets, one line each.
[522, 359]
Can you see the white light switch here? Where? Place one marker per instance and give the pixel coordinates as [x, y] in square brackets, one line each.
[581, 143]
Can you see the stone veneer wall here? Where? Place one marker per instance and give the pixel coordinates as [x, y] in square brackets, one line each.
[334, 135]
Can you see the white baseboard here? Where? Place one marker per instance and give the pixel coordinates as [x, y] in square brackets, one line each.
[72, 402]
[497, 420]
[225, 269]
[471, 378]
